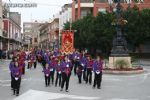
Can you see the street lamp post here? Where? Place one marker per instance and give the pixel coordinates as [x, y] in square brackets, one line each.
[119, 50]
[119, 42]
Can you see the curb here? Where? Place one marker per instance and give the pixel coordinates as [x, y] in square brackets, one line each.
[123, 72]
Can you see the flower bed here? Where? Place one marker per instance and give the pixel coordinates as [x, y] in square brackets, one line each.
[134, 70]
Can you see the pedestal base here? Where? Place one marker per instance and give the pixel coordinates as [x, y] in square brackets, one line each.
[112, 61]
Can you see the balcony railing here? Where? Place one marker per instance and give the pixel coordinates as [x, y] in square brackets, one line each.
[86, 1]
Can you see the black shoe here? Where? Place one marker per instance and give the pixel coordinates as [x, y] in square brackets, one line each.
[14, 93]
[61, 89]
[98, 87]
[67, 91]
[17, 94]
[93, 87]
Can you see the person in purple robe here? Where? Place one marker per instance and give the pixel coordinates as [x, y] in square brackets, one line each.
[83, 63]
[58, 74]
[66, 73]
[52, 66]
[97, 69]
[46, 71]
[89, 70]
[16, 74]
[11, 66]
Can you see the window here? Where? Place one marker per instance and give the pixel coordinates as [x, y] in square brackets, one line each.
[128, 1]
[35, 39]
[86, 1]
[102, 1]
[27, 30]
[110, 1]
[114, 10]
[139, 1]
[27, 25]
[122, 1]
[85, 12]
[103, 10]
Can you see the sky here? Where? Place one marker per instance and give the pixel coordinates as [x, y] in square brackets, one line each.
[44, 11]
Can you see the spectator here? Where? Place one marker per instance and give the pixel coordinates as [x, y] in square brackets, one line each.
[0, 54]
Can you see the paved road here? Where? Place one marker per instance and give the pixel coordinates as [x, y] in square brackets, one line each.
[114, 87]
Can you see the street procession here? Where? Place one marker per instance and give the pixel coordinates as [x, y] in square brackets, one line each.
[74, 49]
[57, 68]
[58, 65]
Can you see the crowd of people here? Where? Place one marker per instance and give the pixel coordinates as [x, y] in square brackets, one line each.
[5, 54]
[57, 67]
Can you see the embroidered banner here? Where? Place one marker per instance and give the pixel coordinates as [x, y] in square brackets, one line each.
[67, 44]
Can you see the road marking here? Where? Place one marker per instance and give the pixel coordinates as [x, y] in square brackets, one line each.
[122, 99]
[42, 95]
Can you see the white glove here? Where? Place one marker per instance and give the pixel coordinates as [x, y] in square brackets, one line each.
[59, 72]
[47, 75]
[97, 72]
[67, 65]
[82, 64]
[16, 78]
[51, 69]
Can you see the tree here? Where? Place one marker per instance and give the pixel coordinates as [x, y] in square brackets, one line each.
[137, 30]
[96, 33]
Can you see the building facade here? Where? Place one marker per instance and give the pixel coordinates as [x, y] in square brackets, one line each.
[31, 31]
[11, 30]
[65, 15]
[54, 32]
[81, 8]
[44, 36]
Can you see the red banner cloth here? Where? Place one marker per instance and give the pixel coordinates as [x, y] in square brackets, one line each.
[67, 45]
